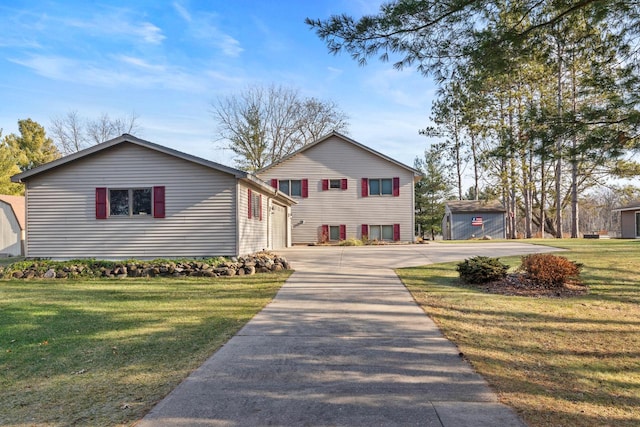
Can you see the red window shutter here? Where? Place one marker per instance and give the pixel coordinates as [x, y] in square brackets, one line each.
[396, 187]
[365, 230]
[325, 184]
[396, 232]
[305, 188]
[343, 183]
[260, 206]
[274, 183]
[343, 232]
[249, 203]
[158, 202]
[101, 203]
[365, 187]
[324, 233]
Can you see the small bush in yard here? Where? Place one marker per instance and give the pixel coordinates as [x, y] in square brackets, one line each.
[482, 269]
[351, 241]
[549, 271]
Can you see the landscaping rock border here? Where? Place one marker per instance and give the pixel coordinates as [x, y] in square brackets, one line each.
[262, 262]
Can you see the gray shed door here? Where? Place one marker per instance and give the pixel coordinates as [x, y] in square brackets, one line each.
[279, 227]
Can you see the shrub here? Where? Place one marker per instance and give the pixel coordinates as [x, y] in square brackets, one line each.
[549, 271]
[481, 269]
[351, 241]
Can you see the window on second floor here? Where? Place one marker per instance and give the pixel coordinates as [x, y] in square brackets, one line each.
[291, 187]
[380, 187]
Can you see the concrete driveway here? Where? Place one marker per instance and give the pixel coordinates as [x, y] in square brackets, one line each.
[343, 344]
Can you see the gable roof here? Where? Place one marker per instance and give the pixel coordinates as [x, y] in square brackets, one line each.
[346, 139]
[117, 141]
[630, 207]
[463, 206]
[17, 205]
[126, 138]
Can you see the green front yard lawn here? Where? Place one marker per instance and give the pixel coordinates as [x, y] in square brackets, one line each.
[558, 362]
[103, 352]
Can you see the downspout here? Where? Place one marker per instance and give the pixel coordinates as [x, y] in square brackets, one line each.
[24, 233]
[237, 217]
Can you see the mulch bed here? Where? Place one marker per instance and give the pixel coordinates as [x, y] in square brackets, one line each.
[519, 284]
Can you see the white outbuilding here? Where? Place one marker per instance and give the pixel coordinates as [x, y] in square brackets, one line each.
[12, 225]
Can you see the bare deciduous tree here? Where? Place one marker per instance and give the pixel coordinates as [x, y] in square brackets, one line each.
[261, 125]
[73, 133]
[68, 132]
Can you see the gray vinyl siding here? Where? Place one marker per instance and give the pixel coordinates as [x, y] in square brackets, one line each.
[461, 228]
[199, 204]
[10, 233]
[252, 231]
[628, 224]
[337, 159]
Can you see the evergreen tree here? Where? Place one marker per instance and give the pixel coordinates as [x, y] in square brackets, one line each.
[8, 168]
[432, 191]
[32, 147]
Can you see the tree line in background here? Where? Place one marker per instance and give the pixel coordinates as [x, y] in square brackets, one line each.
[537, 99]
[32, 147]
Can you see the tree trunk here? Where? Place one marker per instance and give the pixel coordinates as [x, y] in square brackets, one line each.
[558, 150]
[574, 161]
[526, 189]
[458, 162]
[513, 174]
[543, 200]
[476, 173]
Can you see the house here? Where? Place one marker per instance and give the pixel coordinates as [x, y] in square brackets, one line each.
[130, 198]
[629, 221]
[467, 219]
[12, 223]
[345, 190]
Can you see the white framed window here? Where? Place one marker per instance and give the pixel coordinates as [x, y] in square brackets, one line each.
[130, 201]
[381, 232]
[380, 186]
[334, 232]
[256, 205]
[291, 187]
[335, 184]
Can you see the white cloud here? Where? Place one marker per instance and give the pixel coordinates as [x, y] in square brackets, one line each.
[107, 74]
[229, 45]
[235, 80]
[53, 67]
[139, 62]
[202, 27]
[182, 11]
[113, 22]
[149, 33]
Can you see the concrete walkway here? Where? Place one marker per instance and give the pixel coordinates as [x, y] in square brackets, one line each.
[342, 344]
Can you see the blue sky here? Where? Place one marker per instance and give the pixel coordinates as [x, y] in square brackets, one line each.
[168, 62]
